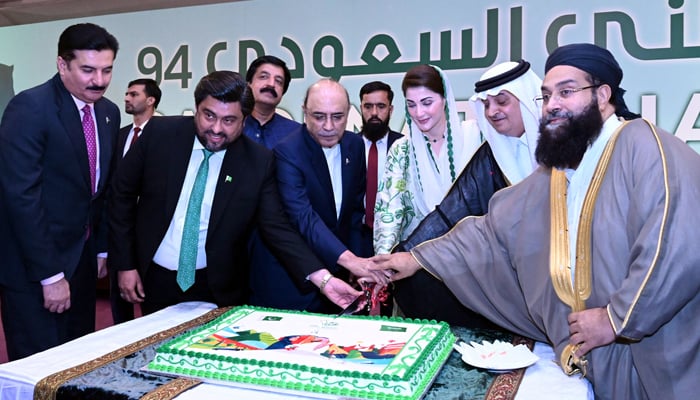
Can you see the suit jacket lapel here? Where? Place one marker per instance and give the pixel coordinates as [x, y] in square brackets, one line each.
[105, 130]
[177, 163]
[121, 140]
[230, 180]
[70, 118]
[320, 168]
[348, 164]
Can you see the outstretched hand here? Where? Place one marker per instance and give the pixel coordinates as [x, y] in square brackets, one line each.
[396, 266]
[340, 292]
[589, 329]
[360, 268]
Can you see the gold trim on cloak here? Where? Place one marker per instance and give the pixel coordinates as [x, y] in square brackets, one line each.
[47, 387]
[574, 294]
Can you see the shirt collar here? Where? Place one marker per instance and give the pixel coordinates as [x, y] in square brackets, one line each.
[379, 141]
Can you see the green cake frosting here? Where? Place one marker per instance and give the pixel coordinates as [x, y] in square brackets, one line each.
[406, 377]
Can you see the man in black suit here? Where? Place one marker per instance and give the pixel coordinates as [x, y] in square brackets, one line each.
[56, 146]
[151, 207]
[376, 109]
[140, 100]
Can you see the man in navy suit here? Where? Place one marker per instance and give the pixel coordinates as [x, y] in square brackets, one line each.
[321, 174]
[56, 146]
[150, 202]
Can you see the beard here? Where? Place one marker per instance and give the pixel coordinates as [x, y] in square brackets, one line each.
[374, 129]
[563, 146]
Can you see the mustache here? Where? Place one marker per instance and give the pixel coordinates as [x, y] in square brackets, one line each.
[100, 88]
[269, 89]
[556, 114]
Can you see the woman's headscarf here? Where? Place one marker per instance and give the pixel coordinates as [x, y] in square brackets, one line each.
[434, 184]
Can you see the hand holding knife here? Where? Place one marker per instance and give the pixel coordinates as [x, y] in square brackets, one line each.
[361, 301]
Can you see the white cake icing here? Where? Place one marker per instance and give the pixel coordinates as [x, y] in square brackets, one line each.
[357, 357]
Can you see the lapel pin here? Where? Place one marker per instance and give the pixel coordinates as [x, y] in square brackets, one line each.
[347, 161]
[228, 179]
[107, 119]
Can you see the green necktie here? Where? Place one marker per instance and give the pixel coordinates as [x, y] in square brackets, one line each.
[190, 232]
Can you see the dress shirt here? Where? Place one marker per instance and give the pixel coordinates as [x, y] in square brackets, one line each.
[270, 133]
[382, 150]
[80, 104]
[168, 252]
[335, 169]
[129, 138]
[381, 153]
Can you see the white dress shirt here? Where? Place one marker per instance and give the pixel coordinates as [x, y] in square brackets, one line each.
[130, 136]
[335, 169]
[168, 253]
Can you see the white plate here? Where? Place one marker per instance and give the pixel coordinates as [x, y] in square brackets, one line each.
[497, 356]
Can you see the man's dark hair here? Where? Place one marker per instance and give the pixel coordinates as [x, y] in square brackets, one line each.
[227, 87]
[376, 86]
[150, 87]
[253, 68]
[85, 36]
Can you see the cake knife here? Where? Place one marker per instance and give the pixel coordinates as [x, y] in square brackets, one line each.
[354, 307]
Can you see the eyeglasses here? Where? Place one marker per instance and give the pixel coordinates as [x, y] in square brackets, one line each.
[563, 94]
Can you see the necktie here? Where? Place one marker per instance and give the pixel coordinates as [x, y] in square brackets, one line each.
[91, 142]
[371, 193]
[136, 136]
[190, 232]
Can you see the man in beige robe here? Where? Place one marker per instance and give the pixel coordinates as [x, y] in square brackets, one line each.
[593, 252]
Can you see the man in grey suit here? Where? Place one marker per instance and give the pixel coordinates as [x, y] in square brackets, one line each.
[56, 146]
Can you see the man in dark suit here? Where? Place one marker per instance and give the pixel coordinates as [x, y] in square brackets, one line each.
[376, 109]
[140, 100]
[55, 169]
[321, 174]
[186, 198]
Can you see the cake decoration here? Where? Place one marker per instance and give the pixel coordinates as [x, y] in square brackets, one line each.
[348, 356]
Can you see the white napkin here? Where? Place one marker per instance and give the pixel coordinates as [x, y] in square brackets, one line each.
[497, 355]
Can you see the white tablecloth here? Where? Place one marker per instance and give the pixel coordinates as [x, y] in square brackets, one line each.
[544, 380]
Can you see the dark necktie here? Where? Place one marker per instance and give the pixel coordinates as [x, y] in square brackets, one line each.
[91, 142]
[136, 136]
[190, 232]
[371, 193]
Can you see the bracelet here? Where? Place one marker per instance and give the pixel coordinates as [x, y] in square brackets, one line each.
[324, 281]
